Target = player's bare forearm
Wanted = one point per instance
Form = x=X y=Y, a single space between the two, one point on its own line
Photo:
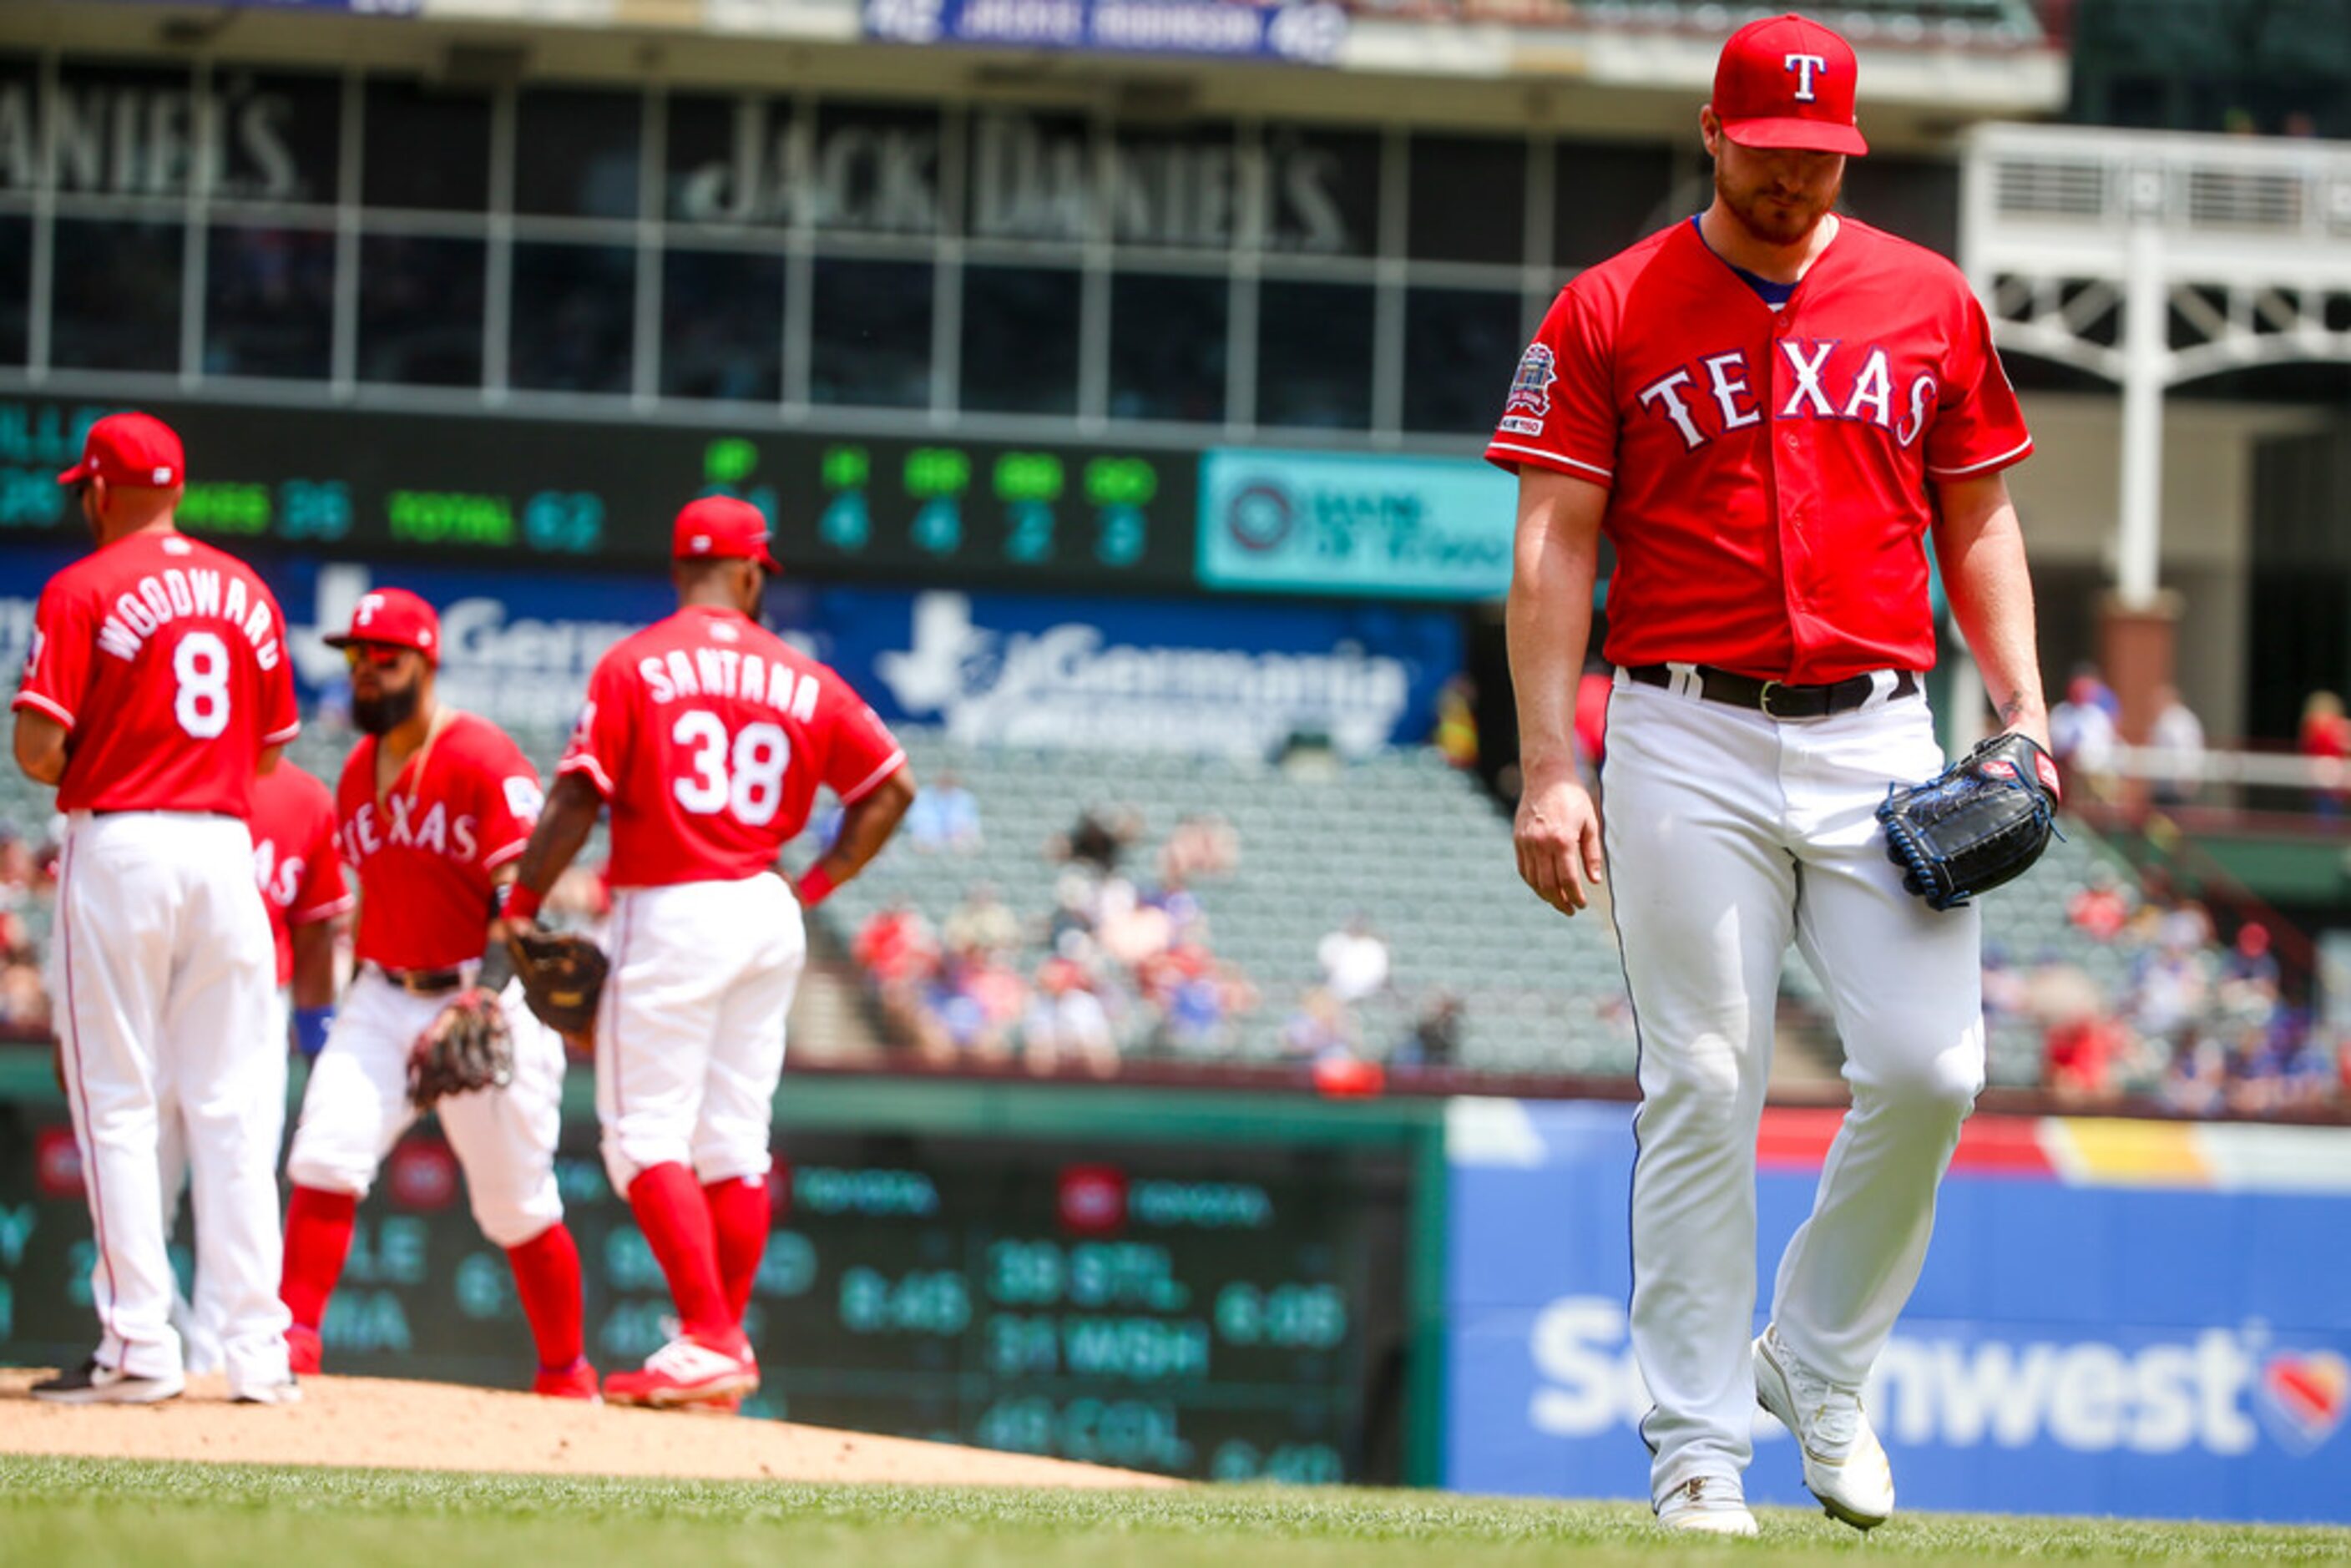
x=313 y=964
x=564 y=824
x=1555 y=559
x=40 y=747
x=867 y=826
x=1548 y=620
x=1981 y=547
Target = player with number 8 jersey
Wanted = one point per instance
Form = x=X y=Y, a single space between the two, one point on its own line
x=708 y=735
x=159 y=686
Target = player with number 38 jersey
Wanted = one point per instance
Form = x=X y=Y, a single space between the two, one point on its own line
x=708 y=736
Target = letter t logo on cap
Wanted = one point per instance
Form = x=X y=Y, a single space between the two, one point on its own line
x=1804 y=66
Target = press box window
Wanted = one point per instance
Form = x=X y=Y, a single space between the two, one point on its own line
x=269 y=302
x=1607 y=194
x=15 y=289
x=1167 y=347
x=421 y=310
x=115 y=295
x=1322 y=191
x=282 y=136
x=1314 y=355
x=869 y=341
x=1468 y=200
x=723 y=326
x=1456 y=342
x=1019 y=340
x=425 y=148
x=576 y=153
x=574 y=317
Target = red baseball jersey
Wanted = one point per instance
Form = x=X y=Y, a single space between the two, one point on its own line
x=165 y=660
x=460 y=807
x=1768 y=471
x=294 y=856
x=709 y=735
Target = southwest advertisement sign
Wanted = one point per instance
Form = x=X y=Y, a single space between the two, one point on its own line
x=1356 y=525
x=2117 y=1317
x=1303 y=34
x=1139 y=674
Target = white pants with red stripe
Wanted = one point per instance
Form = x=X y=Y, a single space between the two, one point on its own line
x=164 y=974
x=356 y=1106
x=1729 y=833
x=197 y=1315
x=690 y=1036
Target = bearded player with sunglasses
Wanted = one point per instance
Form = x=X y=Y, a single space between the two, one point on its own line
x=433 y=807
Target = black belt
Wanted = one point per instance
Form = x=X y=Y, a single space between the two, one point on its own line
x=1777 y=699
x=422 y=982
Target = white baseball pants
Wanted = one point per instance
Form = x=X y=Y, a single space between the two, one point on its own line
x=690 y=1036
x=166 y=973
x=356 y=1106
x=198 y=1315
x=1727 y=833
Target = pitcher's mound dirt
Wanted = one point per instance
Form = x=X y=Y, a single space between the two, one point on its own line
x=378 y=1423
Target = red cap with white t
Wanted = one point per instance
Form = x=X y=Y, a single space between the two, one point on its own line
x=135 y=450
x=1788 y=82
x=721 y=528
x=392 y=618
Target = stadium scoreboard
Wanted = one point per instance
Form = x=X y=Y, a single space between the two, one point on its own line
x=1213 y=1311
x=506 y=491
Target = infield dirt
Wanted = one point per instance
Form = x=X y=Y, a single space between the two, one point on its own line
x=377 y=1423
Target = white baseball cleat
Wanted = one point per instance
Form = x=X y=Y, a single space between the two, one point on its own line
x=1706 y=1505
x=284 y=1391
x=1844 y=1465
x=91 y=1384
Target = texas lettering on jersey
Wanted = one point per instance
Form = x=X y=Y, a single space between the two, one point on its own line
x=165 y=660
x=1769 y=473
x=709 y=736
x=461 y=807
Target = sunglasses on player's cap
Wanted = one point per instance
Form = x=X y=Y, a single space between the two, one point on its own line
x=1788 y=82
x=385 y=622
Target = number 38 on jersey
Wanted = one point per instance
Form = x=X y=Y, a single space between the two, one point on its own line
x=709 y=736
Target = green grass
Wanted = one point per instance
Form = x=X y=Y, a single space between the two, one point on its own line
x=78 y=1511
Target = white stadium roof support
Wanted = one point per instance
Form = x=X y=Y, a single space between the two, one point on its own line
x=2151 y=260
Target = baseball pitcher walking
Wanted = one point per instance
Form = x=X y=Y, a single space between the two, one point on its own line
x=1766 y=409
x=708 y=736
x=157 y=689
x=433 y=805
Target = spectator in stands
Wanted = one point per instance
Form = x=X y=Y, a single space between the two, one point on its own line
x=983 y=923
x=898 y=953
x=20 y=871
x=1202 y=844
x=944 y=818
x=2249 y=975
x=1435 y=1040
x=2102 y=906
x=2080 y=1056
x=970 y=1008
x=1455 y=736
x=1098 y=838
x=23 y=999
x=2196 y=1080
x=2179 y=734
x=1067 y=1022
x=1353 y=960
x=1321 y=1031
x=2326 y=739
x=1131 y=931
x=2173 y=983
x=2082 y=735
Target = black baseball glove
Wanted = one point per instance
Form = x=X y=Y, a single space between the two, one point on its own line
x=1979 y=822
x=562 y=978
x=467 y=1046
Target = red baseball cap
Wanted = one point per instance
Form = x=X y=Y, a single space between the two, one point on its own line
x=392 y=618
x=136 y=450
x=1787 y=82
x=720 y=528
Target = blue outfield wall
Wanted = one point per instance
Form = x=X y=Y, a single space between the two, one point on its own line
x=2115 y=1319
